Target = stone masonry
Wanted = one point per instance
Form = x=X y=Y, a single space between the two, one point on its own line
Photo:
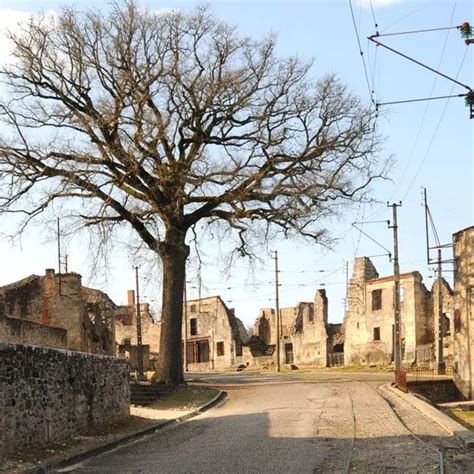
x=49 y=395
x=463 y=248
x=59 y=301
x=368 y=323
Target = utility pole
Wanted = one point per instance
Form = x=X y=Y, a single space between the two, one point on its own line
x=139 y=328
x=347 y=287
x=396 y=279
x=277 y=304
x=441 y=363
x=438 y=246
x=185 y=315
x=59 y=254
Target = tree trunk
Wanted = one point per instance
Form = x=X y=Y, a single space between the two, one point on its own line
x=173 y=252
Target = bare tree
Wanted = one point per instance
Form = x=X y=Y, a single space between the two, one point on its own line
x=163 y=121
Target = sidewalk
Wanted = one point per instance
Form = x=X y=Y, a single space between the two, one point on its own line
x=154 y=419
x=446 y=422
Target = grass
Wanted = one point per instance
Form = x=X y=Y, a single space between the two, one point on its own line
x=465 y=417
x=185 y=397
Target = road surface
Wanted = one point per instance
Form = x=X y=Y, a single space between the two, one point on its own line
x=303 y=423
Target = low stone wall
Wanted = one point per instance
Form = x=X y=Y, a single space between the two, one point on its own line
x=48 y=394
x=437 y=391
x=22 y=331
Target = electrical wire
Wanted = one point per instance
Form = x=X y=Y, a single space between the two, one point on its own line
x=435 y=132
x=423 y=119
x=362 y=54
x=398 y=33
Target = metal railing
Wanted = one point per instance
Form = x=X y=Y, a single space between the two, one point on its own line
x=336 y=359
x=419 y=374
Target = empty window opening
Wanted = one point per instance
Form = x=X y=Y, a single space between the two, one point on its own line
x=193 y=326
x=376 y=300
x=220 y=348
x=376 y=334
x=193 y=308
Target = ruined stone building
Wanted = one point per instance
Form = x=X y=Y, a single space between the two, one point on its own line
x=463 y=250
x=126 y=333
x=214 y=336
x=56 y=311
x=304 y=334
x=369 y=320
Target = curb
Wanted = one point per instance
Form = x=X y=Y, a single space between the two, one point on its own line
x=465 y=435
x=108 y=446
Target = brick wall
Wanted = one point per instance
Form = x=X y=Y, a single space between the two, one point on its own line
x=49 y=394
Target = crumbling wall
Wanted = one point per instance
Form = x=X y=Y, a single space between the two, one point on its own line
x=126 y=329
x=463 y=249
x=60 y=301
x=49 y=395
x=21 y=331
x=310 y=340
x=447 y=299
x=355 y=319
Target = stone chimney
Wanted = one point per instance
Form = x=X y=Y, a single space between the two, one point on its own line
x=131 y=297
x=50 y=272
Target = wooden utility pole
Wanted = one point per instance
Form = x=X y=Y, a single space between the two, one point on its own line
x=346 y=303
x=441 y=363
x=277 y=304
x=139 y=328
x=59 y=254
x=185 y=315
x=396 y=303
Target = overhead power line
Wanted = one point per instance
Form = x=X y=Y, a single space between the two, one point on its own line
x=371 y=92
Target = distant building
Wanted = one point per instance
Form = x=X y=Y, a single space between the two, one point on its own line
x=369 y=320
x=304 y=334
x=126 y=333
x=214 y=335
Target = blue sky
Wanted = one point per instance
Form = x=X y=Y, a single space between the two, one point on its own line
x=431 y=143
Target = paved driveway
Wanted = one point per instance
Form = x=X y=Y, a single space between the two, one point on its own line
x=317 y=422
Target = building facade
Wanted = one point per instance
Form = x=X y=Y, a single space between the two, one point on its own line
x=213 y=336
x=369 y=320
x=463 y=249
x=57 y=306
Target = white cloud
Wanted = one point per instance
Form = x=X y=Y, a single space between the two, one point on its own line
x=379 y=3
x=9 y=21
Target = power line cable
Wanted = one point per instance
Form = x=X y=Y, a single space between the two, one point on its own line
x=422 y=122
x=371 y=92
x=435 y=132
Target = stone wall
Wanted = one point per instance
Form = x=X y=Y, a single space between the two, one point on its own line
x=48 y=395
x=20 y=331
x=463 y=247
x=369 y=320
x=213 y=335
x=126 y=331
x=60 y=301
x=310 y=340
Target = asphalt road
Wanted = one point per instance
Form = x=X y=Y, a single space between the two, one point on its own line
x=315 y=423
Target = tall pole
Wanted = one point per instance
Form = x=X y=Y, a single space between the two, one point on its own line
x=441 y=363
x=396 y=279
x=277 y=304
x=347 y=287
x=139 y=328
x=59 y=254
x=185 y=315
